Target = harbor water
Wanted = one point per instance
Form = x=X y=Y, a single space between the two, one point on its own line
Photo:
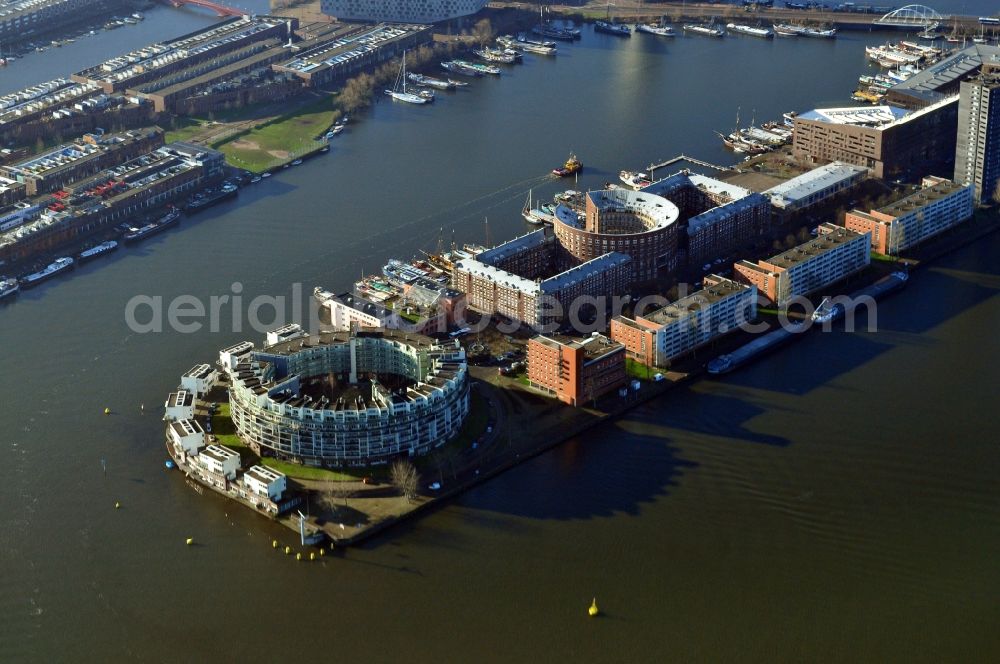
x=836 y=501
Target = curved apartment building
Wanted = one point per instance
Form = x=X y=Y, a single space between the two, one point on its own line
x=640 y=225
x=350 y=398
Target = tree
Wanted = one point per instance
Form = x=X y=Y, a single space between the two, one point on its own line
x=335 y=493
x=483 y=31
x=404 y=476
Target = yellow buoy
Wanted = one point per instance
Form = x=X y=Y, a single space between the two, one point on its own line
x=274 y=544
x=312 y=555
x=288 y=550
x=593 y=610
x=117 y=504
x=107 y=411
x=189 y=541
x=322 y=552
x=298 y=556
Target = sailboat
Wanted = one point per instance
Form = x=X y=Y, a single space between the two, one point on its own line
x=538 y=215
x=399 y=92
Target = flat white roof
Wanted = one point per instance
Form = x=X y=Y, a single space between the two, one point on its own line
x=719 y=187
x=815 y=180
x=855 y=115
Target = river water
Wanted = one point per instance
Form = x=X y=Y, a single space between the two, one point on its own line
x=837 y=501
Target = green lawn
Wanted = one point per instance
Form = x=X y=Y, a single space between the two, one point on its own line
x=882 y=257
x=636 y=369
x=184 y=129
x=311 y=473
x=277 y=141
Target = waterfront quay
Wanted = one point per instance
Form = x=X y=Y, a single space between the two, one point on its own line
x=778 y=12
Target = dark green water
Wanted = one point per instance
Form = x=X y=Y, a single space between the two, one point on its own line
x=837 y=502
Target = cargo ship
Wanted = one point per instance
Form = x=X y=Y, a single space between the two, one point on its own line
x=99 y=250
x=572 y=165
x=58 y=266
x=743 y=354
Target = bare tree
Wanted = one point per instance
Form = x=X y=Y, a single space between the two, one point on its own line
x=334 y=494
x=405 y=478
x=483 y=31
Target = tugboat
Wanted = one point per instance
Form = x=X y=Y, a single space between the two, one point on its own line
x=8 y=288
x=572 y=165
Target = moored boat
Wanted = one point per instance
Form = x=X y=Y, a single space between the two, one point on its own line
x=399 y=92
x=739 y=28
x=530 y=45
x=537 y=215
x=634 y=179
x=793 y=30
x=166 y=221
x=612 y=28
x=703 y=30
x=456 y=67
x=8 y=287
x=430 y=82
x=210 y=197
x=99 y=250
x=479 y=67
x=742 y=355
x=495 y=55
x=654 y=29
x=58 y=266
x=552 y=32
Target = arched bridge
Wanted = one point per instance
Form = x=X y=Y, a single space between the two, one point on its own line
x=911 y=16
x=218 y=8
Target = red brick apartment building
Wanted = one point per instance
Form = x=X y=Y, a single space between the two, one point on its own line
x=576 y=370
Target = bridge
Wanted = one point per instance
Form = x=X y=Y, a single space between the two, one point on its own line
x=911 y=16
x=218 y=8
